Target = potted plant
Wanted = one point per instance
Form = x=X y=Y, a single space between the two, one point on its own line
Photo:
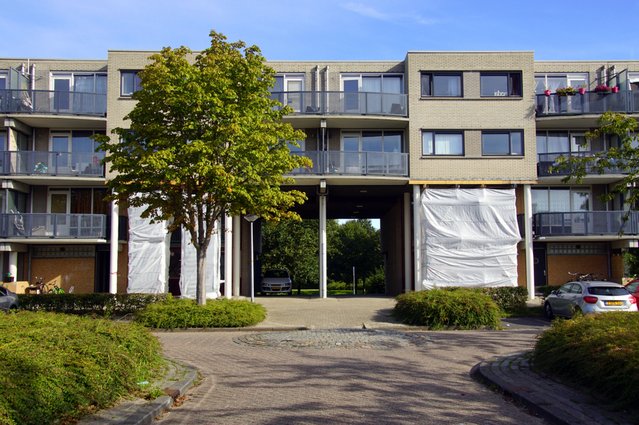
x=582 y=90
x=615 y=89
x=547 y=92
x=602 y=88
x=566 y=91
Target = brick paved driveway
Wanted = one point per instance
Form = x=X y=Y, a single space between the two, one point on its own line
x=410 y=383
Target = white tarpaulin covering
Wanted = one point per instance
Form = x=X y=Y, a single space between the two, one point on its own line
x=148 y=254
x=469 y=238
x=188 y=271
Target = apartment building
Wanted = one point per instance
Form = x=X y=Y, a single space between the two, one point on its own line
x=450 y=150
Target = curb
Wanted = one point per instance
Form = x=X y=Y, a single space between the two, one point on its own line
x=551 y=400
x=143 y=412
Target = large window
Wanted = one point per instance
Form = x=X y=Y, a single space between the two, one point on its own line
x=373 y=93
x=129 y=83
x=560 y=199
x=288 y=90
x=502 y=143
x=79 y=92
x=441 y=84
x=501 y=84
x=549 y=142
x=554 y=81
x=442 y=143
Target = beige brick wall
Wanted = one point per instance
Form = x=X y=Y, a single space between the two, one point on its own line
x=471 y=114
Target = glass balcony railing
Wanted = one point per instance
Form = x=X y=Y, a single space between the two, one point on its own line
x=53 y=226
x=588 y=103
x=42 y=163
x=587 y=223
x=344 y=103
x=52 y=102
x=355 y=163
x=546 y=161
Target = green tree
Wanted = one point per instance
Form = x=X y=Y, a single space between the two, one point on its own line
x=359 y=245
x=293 y=245
x=624 y=157
x=205 y=139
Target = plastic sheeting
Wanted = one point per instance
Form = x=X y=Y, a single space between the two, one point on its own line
x=188 y=271
x=148 y=254
x=469 y=238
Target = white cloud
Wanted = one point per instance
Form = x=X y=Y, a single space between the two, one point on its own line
x=371 y=12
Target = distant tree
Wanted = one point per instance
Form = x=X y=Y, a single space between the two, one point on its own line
x=359 y=245
x=205 y=139
x=624 y=157
x=293 y=245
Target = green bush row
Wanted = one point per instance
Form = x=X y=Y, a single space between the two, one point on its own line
x=99 y=304
x=56 y=367
x=184 y=313
x=509 y=299
x=459 y=308
x=599 y=353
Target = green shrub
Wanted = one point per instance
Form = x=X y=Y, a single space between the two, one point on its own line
x=184 y=313
x=509 y=299
x=337 y=285
x=599 y=353
x=55 y=367
x=99 y=304
x=376 y=282
x=459 y=308
x=545 y=290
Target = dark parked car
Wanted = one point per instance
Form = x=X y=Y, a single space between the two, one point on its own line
x=276 y=282
x=8 y=300
x=588 y=297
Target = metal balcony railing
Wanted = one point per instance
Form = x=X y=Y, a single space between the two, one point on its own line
x=546 y=161
x=52 y=102
x=344 y=103
x=42 y=163
x=53 y=226
x=588 y=103
x=587 y=223
x=355 y=163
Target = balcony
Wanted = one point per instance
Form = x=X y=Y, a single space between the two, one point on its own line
x=44 y=164
x=545 y=162
x=344 y=103
x=587 y=223
x=53 y=226
x=52 y=102
x=393 y=164
x=587 y=103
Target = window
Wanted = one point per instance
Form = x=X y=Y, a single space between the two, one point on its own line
x=373 y=94
x=502 y=143
x=3 y=80
x=560 y=199
x=442 y=143
x=554 y=81
x=500 y=84
x=289 y=90
x=441 y=84
x=129 y=83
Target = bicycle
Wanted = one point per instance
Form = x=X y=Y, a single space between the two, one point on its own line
x=39 y=287
x=580 y=277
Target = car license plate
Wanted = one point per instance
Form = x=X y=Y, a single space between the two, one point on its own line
x=276 y=288
x=613 y=303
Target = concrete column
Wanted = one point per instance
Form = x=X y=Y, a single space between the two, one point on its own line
x=322 y=246
x=417 y=236
x=236 y=255
x=13 y=264
x=113 y=253
x=228 y=255
x=407 y=242
x=528 y=242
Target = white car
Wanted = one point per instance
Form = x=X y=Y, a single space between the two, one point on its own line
x=276 y=282
x=588 y=297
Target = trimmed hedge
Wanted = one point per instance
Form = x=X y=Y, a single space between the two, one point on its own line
x=597 y=353
x=184 y=313
x=55 y=367
x=99 y=304
x=458 y=308
x=509 y=299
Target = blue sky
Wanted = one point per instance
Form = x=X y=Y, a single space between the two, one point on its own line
x=323 y=29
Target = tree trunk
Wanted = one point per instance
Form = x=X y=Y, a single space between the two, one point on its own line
x=201 y=275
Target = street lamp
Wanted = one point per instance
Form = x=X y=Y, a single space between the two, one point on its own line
x=251 y=218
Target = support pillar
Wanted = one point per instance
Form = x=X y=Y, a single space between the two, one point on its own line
x=528 y=242
x=228 y=255
x=407 y=242
x=113 y=249
x=13 y=264
x=322 y=246
x=417 y=236
x=236 y=255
